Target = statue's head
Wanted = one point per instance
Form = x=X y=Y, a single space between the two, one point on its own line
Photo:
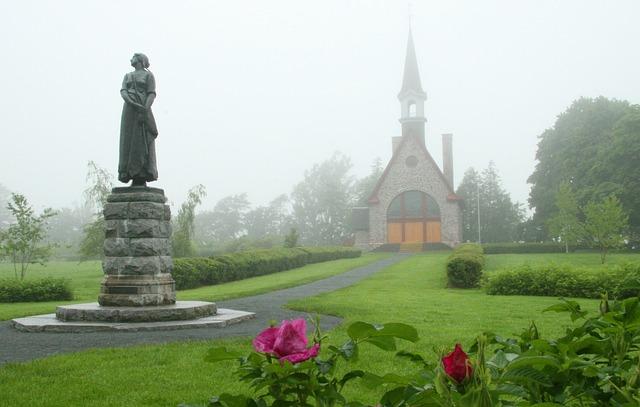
x=141 y=58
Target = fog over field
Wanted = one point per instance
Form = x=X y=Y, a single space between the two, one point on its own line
x=250 y=94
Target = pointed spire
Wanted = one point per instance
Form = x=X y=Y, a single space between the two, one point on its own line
x=411 y=78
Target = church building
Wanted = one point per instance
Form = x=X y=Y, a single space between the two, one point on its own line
x=414 y=201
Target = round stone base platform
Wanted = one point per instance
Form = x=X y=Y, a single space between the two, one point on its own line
x=180 y=311
x=49 y=323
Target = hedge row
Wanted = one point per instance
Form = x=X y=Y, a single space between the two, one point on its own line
x=622 y=281
x=43 y=289
x=464 y=266
x=199 y=271
x=505 y=248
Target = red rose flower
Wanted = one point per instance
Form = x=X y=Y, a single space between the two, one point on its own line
x=287 y=342
x=457 y=365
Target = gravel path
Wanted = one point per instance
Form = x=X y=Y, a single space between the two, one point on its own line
x=18 y=346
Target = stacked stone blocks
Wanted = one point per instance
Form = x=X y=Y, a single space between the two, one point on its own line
x=137 y=248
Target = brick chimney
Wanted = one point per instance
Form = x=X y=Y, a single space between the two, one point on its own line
x=447 y=158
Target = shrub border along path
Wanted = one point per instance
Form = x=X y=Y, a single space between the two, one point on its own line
x=22 y=346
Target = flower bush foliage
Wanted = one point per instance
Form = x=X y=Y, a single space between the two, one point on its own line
x=596 y=363
x=284 y=371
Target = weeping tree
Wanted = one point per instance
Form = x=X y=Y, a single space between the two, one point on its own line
x=184 y=225
x=100 y=183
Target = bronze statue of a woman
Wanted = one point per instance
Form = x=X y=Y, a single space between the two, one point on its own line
x=138 y=129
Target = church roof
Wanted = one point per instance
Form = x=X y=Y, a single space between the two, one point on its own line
x=411 y=78
x=373 y=198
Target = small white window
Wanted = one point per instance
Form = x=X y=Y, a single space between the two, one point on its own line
x=412 y=109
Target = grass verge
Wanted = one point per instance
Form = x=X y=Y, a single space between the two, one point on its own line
x=584 y=260
x=278 y=281
x=85 y=282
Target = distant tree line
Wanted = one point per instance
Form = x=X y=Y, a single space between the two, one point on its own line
x=585 y=189
x=587 y=174
x=315 y=212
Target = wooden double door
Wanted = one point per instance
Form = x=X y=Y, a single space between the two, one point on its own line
x=412 y=232
x=413 y=216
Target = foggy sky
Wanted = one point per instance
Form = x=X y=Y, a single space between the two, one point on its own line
x=252 y=93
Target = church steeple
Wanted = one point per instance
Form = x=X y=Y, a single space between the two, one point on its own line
x=411 y=79
x=411 y=95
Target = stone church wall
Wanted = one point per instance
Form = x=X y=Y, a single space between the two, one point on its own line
x=425 y=177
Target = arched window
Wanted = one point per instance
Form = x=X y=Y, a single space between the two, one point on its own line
x=413 y=205
x=413 y=216
x=412 y=109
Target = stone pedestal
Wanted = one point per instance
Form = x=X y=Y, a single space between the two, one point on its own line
x=137 y=248
x=137 y=293
x=181 y=311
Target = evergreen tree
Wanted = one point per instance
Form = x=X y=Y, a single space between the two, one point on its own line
x=468 y=190
x=499 y=216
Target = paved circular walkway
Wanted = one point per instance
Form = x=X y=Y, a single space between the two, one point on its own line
x=21 y=346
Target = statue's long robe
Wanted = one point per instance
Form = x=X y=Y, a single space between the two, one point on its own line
x=138 y=130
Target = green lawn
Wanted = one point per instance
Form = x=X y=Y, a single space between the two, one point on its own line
x=164 y=375
x=85 y=280
x=84 y=276
x=277 y=281
x=588 y=260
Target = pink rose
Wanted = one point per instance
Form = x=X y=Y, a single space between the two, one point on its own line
x=287 y=342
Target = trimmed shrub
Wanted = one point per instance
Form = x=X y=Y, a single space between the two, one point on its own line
x=199 y=271
x=621 y=281
x=464 y=266
x=30 y=290
x=627 y=280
